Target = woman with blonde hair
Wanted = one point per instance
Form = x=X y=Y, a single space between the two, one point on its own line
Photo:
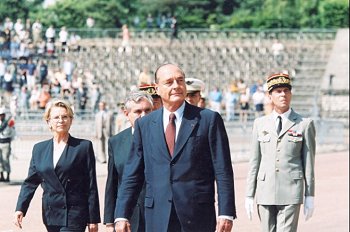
x=65 y=168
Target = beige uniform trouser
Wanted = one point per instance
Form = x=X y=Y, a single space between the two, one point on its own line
x=279 y=218
x=5 y=152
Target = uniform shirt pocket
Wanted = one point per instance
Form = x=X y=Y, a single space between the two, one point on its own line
x=261 y=176
x=297 y=175
x=264 y=138
x=295 y=139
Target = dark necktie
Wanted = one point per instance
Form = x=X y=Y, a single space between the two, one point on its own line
x=170 y=133
x=279 y=127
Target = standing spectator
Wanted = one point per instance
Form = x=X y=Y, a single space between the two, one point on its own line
x=31 y=74
x=44 y=97
x=8 y=24
x=231 y=99
x=82 y=96
x=7 y=133
x=36 y=32
x=34 y=98
x=244 y=99
x=137 y=104
x=136 y=21
x=125 y=39
x=90 y=22
x=282 y=162
x=68 y=68
x=182 y=154
x=18 y=27
x=50 y=34
x=241 y=85
x=43 y=71
x=7 y=43
x=63 y=38
x=23 y=71
x=103 y=130
x=215 y=98
x=3 y=66
x=149 y=21
x=65 y=168
x=74 y=42
x=174 y=29
x=13 y=104
x=23 y=102
x=258 y=101
x=8 y=82
x=95 y=97
x=277 y=51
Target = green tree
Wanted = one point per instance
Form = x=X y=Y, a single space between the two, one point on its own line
x=335 y=13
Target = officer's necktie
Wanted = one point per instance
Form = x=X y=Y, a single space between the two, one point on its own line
x=279 y=127
x=170 y=133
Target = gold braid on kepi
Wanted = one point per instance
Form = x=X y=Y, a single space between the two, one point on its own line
x=278 y=80
x=150 y=89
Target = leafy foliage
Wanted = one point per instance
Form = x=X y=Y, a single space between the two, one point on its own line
x=190 y=13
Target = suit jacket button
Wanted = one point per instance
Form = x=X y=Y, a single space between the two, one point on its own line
x=277 y=170
x=63 y=207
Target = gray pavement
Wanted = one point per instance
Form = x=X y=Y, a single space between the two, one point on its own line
x=331 y=201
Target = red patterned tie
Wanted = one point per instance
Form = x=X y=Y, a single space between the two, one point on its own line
x=170 y=133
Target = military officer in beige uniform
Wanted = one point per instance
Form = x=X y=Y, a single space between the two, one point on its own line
x=281 y=175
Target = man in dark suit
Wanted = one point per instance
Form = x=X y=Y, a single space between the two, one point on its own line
x=137 y=104
x=180 y=178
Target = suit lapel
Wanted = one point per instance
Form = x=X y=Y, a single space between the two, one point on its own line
x=290 y=122
x=159 y=130
x=271 y=125
x=189 y=121
x=52 y=176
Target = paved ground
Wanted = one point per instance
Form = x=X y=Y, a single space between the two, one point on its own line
x=331 y=212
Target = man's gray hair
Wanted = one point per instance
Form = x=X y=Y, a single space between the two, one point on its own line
x=137 y=96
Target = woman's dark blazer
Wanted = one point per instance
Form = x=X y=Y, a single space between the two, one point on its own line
x=70 y=195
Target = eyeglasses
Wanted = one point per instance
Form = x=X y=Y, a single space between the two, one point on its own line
x=64 y=118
